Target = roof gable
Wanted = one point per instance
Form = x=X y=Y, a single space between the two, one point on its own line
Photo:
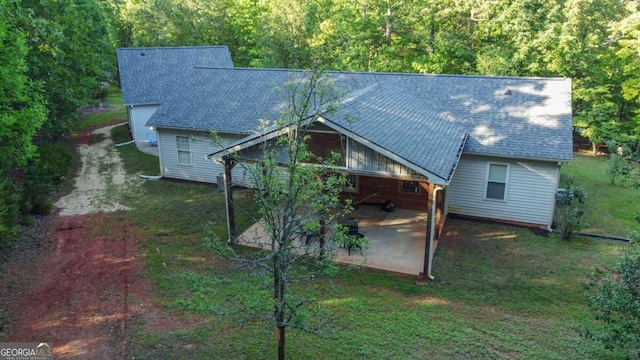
x=149 y=74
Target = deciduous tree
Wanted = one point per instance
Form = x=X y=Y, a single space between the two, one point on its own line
x=70 y=55
x=613 y=296
x=22 y=113
x=297 y=194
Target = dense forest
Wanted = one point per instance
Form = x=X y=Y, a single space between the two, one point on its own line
x=58 y=55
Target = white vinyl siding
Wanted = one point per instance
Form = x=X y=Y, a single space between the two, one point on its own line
x=138 y=116
x=497 y=176
x=202 y=169
x=529 y=191
x=183 y=145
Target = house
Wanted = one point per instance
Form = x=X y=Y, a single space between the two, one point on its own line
x=495 y=143
x=149 y=74
x=481 y=146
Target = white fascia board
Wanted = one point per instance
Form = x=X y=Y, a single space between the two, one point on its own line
x=246 y=142
x=143 y=104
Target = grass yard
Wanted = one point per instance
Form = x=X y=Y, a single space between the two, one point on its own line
x=611 y=209
x=103 y=118
x=501 y=291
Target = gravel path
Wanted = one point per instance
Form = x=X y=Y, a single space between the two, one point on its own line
x=74 y=280
x=99 y=180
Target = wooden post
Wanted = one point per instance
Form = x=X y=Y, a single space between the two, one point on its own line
x=428 y=188
x=439 y=211
x=228 y=191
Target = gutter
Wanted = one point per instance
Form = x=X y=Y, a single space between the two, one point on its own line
x=563 y=161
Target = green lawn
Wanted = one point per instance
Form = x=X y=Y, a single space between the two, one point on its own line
x=501 y=291
x=611 y=209
x=117 y=115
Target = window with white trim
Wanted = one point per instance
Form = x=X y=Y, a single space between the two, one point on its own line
x=184 y=150
x=497 y=181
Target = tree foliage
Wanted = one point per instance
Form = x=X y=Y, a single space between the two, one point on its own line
x=55 y=57
x=595 y=42
x=613 y=295
x=22 y=109
x=298 y=197
x=623 y=166
x=22 y=113
x=70 y=55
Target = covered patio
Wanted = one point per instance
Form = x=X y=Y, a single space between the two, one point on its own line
x=397 y=240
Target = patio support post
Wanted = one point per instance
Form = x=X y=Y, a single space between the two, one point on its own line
x=228 y=191
x=432 y=232
x=428 y=188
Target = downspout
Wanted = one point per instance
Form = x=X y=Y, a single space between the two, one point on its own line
x=226 y=193
x=131 y=122
x=432 y=233
x=227 y=204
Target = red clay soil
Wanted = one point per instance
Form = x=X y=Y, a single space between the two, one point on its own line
x=87 y=289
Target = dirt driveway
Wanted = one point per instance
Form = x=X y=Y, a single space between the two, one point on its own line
x=83 y=292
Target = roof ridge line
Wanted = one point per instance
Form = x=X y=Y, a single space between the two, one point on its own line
x=389 y=73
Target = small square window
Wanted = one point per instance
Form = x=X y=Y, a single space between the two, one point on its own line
x=497 y=181
x=410 y=186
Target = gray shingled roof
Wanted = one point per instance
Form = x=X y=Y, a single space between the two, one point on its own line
x=148 y=75
x=224 y=101
x=422 y=118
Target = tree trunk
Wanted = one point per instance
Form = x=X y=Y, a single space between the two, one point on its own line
x=387 y=33
x=322 y=230
x=231 y=218
x=594 y=147
x=278 y=294
x=281 y=337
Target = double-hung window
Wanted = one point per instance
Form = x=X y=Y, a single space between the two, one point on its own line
x=497 y=175
x=184 y=150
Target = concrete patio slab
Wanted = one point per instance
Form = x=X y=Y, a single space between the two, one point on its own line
x=397 y=240
x=146 y=147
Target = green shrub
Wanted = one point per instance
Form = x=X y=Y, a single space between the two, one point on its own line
x=54 y=161
x=569 y=215
x=630 y=177
x=9 y=207
x=42 y=175
x=623 y=166
x=613 y=296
